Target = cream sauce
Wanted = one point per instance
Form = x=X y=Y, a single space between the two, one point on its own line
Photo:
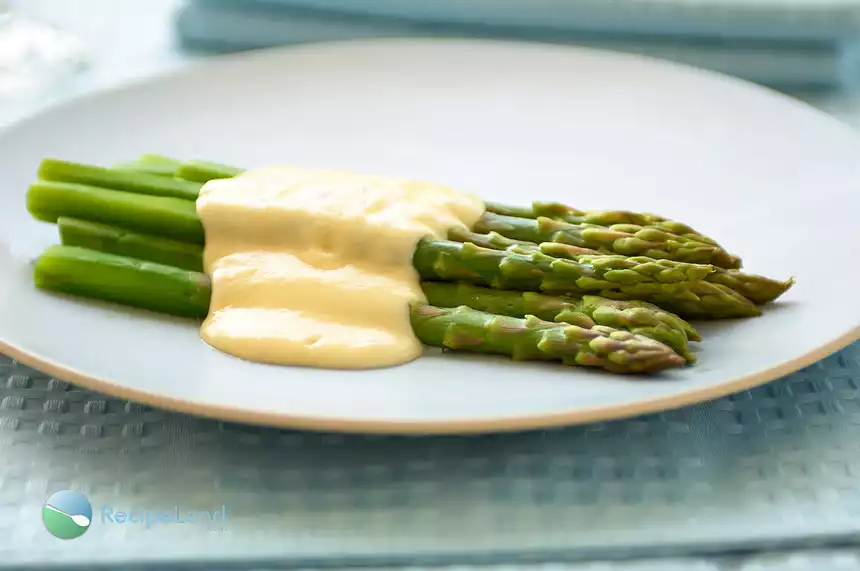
x=314 y=267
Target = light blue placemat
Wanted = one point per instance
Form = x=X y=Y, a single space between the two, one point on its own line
x=776 y=466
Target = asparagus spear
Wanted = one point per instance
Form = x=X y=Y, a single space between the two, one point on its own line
x=196 y=171
x=122 y=242
x=637 y=317
x=465 y=329
x=165 y=289
x=146 y=285
x=679 y=288
x=146 y=176
x=624 y=239
x=496 y=241
x=756 y=288
x=204 y=171
x=572 y=215
x=174 y=218
x=115 y=240
x=119 y=179
x=153 y=164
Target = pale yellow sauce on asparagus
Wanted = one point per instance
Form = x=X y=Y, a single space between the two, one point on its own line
x=314 y=267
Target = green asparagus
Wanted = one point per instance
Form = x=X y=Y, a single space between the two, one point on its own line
x=169 y=217
x=619 y=232
x=572 y=215
x=119 y=279
x=679 y=289
x=756 y=288
x=193 y=171
x=118 y=179
x=587 y=311
x=203 y=171
x=153 y=164
x=165 y=289
x=496 y=241
x=115 y=240
x=122 y=242
x=599 y=217
x=196 y=171
x=624 y=239
x=630 y=236
x=466 y=329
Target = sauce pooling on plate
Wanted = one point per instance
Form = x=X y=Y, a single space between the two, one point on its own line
x=314 y=267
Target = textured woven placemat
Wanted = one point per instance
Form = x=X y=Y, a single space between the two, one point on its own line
x=778 y=465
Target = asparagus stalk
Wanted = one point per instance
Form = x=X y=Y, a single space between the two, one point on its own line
x=204 y=171
x=624 y=239
x=119 y=279
x=153 y=164
x=756 y=288
x=466 y=329
x=169 y=217
x=572 y=215
x=161 y=288
x=140 y=182
x=196 y=171
x=122 y=242
x=193 y=171
x=496 y=241
x=616 y=232
x=678 y=288
x=587 y=311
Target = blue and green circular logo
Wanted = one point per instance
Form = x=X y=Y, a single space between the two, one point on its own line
x=67 y=514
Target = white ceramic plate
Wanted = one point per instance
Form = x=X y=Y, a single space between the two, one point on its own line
x=772 y=179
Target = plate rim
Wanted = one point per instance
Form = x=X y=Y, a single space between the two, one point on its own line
x=579 y=416
x=197 y=62
x=445 y=427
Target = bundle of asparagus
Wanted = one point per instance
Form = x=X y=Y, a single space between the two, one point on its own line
x=598 y=289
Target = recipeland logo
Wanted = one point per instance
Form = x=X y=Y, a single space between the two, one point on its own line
x=69 y=514
x=212 y=520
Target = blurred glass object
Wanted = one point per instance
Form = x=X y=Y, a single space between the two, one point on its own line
x=34 y=55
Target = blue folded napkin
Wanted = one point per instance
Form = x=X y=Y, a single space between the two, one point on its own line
x=785 y=44
x=751 y=19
